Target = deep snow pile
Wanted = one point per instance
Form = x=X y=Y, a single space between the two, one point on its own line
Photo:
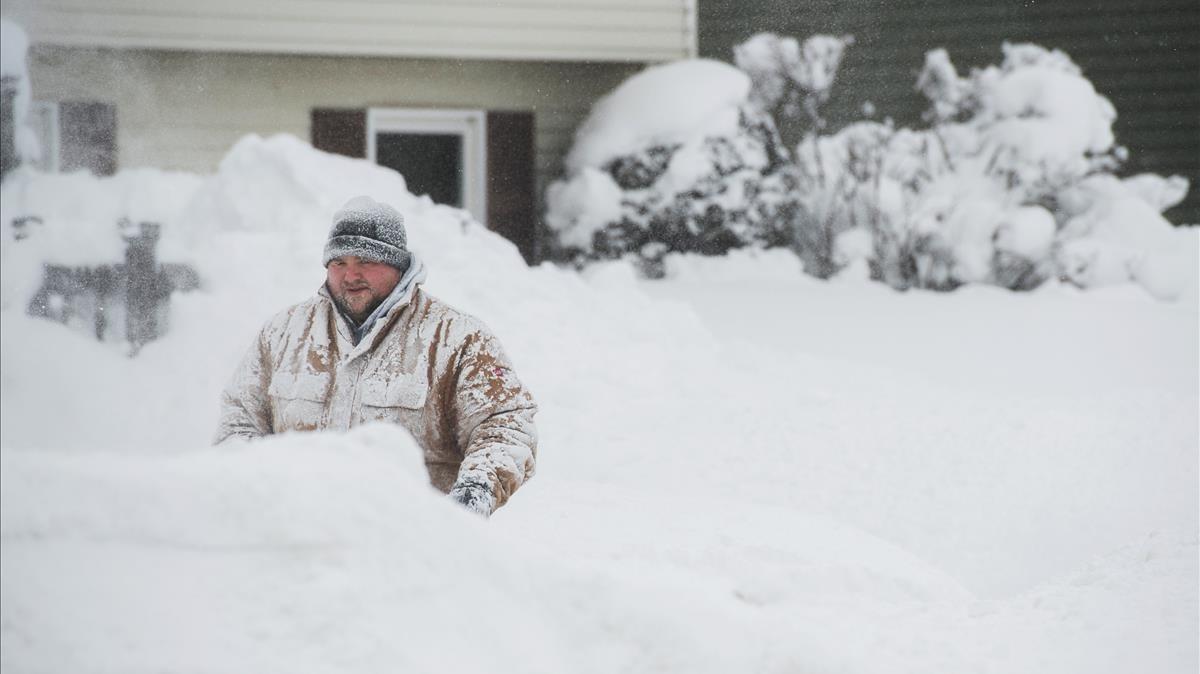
x=332 y=553
x=255 y=232
x=742 y=469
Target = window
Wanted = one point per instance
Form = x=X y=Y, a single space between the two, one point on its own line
x=75 y=135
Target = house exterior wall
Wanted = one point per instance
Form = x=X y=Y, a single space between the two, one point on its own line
x=1144 y=56
x=184 y=110
x=551 y=30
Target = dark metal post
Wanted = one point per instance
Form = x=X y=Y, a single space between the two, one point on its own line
x=142 y=281
x=8 y=125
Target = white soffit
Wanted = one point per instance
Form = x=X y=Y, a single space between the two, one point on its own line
x=542 y=30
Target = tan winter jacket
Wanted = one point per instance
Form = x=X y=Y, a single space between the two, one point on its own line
x=435 y=371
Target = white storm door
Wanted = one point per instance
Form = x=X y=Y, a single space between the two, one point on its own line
x=441 y=153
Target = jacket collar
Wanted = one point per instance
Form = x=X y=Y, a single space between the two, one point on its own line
x=362 y=336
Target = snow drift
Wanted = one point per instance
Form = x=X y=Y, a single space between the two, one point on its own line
x=751 y=471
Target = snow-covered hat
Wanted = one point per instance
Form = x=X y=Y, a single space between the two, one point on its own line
x=371 y=230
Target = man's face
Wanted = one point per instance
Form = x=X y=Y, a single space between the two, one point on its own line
x=359 y=285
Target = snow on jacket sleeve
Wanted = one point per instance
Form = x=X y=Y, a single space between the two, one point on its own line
x=494 y=419
x=245 y=406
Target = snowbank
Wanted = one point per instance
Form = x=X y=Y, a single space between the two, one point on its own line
x=255 y=231
x=300 y=554
x=315 y=553
x=327 y=553
x=760 y=472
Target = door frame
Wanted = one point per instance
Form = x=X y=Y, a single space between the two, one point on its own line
x=44 y=118
x=471 y=125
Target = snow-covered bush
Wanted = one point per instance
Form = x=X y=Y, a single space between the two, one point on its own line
x=992 y=192
x=790 y=78
x=675 y=159
x=688 y=156
x=1113 y=232
x=933 y=218
x=1010 y=182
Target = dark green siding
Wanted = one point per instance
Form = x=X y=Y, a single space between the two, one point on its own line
x=1144 y=55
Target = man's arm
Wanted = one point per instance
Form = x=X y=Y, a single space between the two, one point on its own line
x=495 y=426
x=245 y=406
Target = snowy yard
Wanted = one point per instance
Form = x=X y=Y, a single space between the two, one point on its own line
x=742 y=469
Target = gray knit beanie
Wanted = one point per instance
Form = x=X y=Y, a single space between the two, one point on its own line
x=371 y=230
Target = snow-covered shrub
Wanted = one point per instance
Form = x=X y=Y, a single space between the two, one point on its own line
x=1010 y=182
x=790 y=78
x=1113 y=232
x=991 y=192
x=675 y=159
x=930 y=223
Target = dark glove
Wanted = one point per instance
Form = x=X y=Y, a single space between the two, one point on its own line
x=474 y=496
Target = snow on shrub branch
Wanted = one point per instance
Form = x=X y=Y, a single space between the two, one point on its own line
x=696 y=170
x=1009 y=183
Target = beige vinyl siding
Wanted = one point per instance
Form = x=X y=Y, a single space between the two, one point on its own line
x=180 y=110
x=556 y=30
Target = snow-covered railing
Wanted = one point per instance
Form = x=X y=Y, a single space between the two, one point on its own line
x=114 y=302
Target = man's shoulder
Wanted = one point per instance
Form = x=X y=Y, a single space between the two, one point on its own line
x=458 y=324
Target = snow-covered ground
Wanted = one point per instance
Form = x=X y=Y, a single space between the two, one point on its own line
x=742 y=469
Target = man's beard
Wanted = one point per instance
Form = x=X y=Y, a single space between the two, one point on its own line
x=345 y=304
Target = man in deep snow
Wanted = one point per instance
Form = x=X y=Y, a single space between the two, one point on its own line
x=373 y=346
